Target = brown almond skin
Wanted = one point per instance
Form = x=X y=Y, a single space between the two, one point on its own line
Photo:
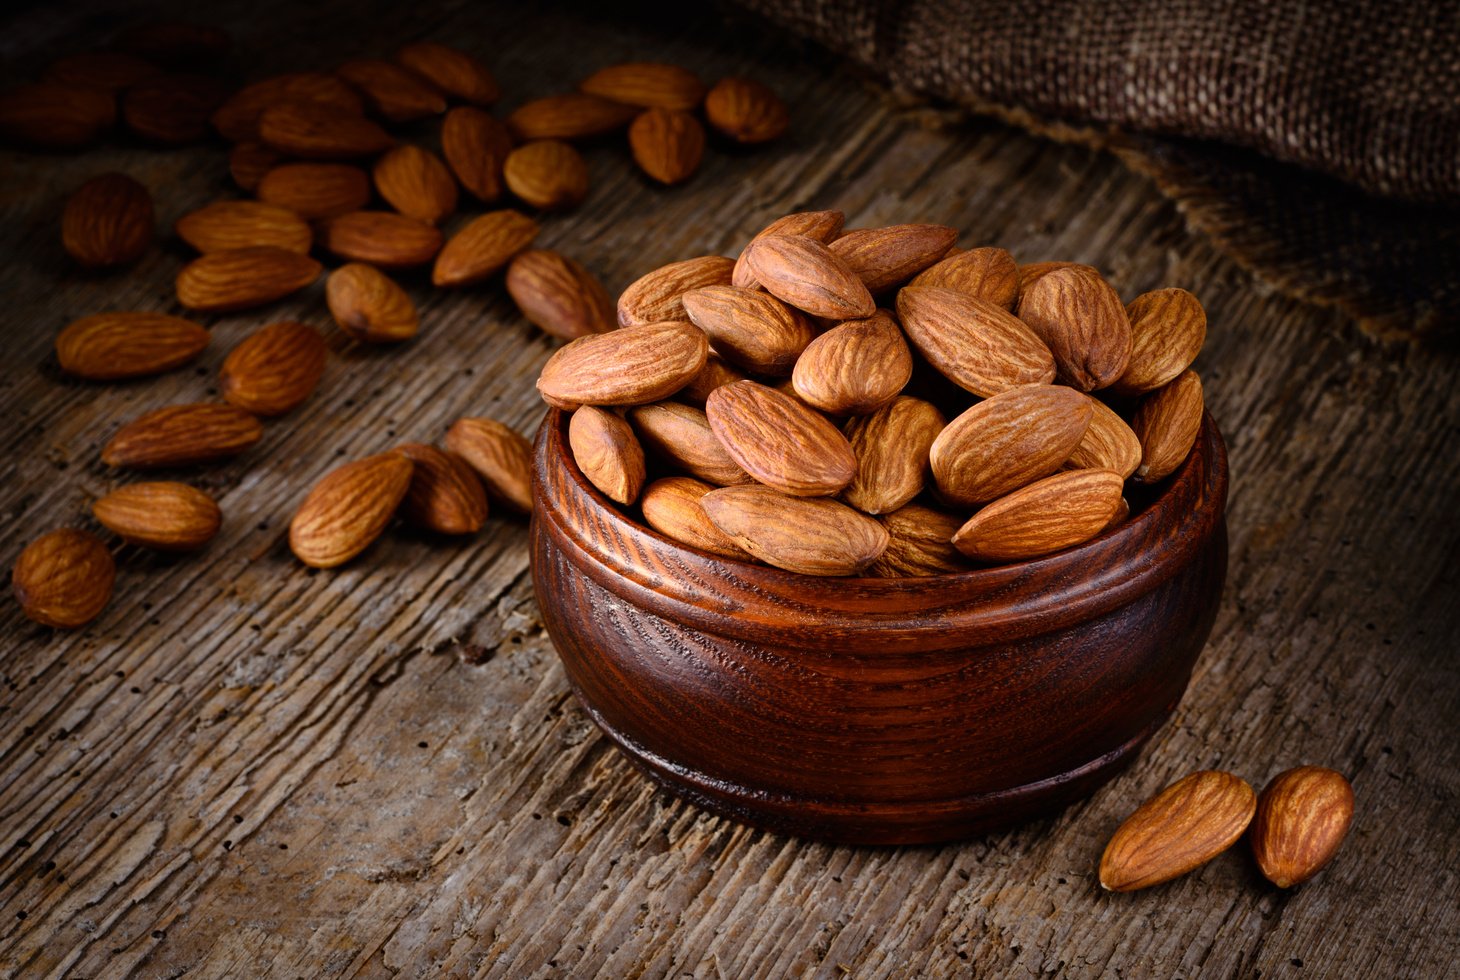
x=812 y=536
x=1168 y=328
x=715 y=373
x=891 y=446
x=239 y=279
x=1177 y=830
x=1108 y=444
x=1008 y=441
x=559 y=295
x=1046 y=516
x=249 y=163
x=746 y=111
x=855 y=367
x=416 y=183
x=672 y=507
x=275 y=369
x=475 y=145
x=648 y=84
x=348 y=509
x=369 y=306
x=382 y=238
x=173 y=109
x=396 y=93
x=547 y=174
x=659 y=295
x=52 y=116
x=225 y=225
x=1303 y=816
x=807 y=275
x=451 y=70
x=444 y=495
x=483 y=247
x=316 y=190
x=981 y=347
x=667 y=144
x=886 y=257
x=1167 y=422
x=164 y=515
x=1034 y=271
x=919 y=543
x=607 y=451
x=629 y=366
x=780 y=441
x=1082 y=321
x=313 y=131
x=64 y=578
x=681 y=435
x=114 y=346
x=110 y=71
x=107 y=222
x=569 y=116
x=501 y=457
x=989 y=274
x=181 y=435
x=237 y=119
x=749 y=328
x=821 y=226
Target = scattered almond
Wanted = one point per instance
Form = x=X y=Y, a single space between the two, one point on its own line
x=113 y=346
x=548 y=174
x=746 y=111
x=238 y=118
x=238 y=279
x=450 y=70
x=569 y=116
x=274 y=370
x=483 y=247
x=173 y=109
x=225 y=225
x=181 y=435
x=475 y=145
x=416 y=183
x=316 y=190
x=1302 y=818
x=64 y=578
x=52 y=116
x=667 y=144
x=318 y=132
x=444 y=494
x=559 y=295
x=164 y=515
x=249 y=163
x=1179 y=829
x=647 y=84
x=500 y=456
x=396 y=93
x=348 y=509
x=369 y=306
x=111 y=71
x=382 y=238
x=107 y=222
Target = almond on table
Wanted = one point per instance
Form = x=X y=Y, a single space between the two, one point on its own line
x=107 y=222
x=114 y=346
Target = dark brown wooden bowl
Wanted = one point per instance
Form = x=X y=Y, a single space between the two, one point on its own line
x=879 y=710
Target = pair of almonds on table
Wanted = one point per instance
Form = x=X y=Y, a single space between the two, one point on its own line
x=1295 y=827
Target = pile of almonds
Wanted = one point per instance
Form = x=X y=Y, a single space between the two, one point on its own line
x=769 y=392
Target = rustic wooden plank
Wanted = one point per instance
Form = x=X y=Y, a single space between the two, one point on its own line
x=247 y=768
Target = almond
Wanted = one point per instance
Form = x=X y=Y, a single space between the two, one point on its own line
x=369 y=306
x=977 y=345
x=64 y=578
x=225 y=225
x=1034 y=271
x=274 y=369
x=416 y=183
x=181 y=435
x=806 y=274
x=886 y=257
x=854 y=368
x=988 y=274
x=1008 y=441
x=780 y=441
x=658 y=295
x=1302 y=818
x=112 y=346
x=396 y=93
x=667 y=144
x=475 y=145
x=1083 y=322
x=630 y=366
x=821 y=226
x=52 y=116
x=608 y=453
x=450 y=70
x=749 y=328
x=1166 y=423
x=806 y=535
x=681 y=435
x=647 y=84
x=107 y=222
x=319 y=132
x=500 y=456
x=569 y=116
x=559 y=294
x=250 y=163
x=1179 y=829
x=173 y=109
x=483 y=247
x=714 y=374
x=316 y=190
x=1168 y=328
x=347 y=510
x=110 y=71
x=1056 y=512
x=1108 y=444
x=238 y=118
x=891 y=446
x=382 y=238
x=919 y=543
x=444 y=494
x=548 y=174
x=746 y=111
x=672 y=507
x=175 y=42
x=166 y=516
x=221 y=282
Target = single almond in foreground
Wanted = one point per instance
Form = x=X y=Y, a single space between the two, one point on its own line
x=165 y=515
x=1179 y=829
x=64 y=578
x=348 y=509
x=1303 y=816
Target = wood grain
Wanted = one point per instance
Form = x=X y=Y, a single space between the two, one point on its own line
x=402 y=727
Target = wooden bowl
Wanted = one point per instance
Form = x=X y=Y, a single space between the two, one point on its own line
x=879 y=710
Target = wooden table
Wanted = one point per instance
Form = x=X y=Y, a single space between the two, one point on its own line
x=245 y=768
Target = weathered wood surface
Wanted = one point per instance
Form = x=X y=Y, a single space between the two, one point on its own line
x=248 y=769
